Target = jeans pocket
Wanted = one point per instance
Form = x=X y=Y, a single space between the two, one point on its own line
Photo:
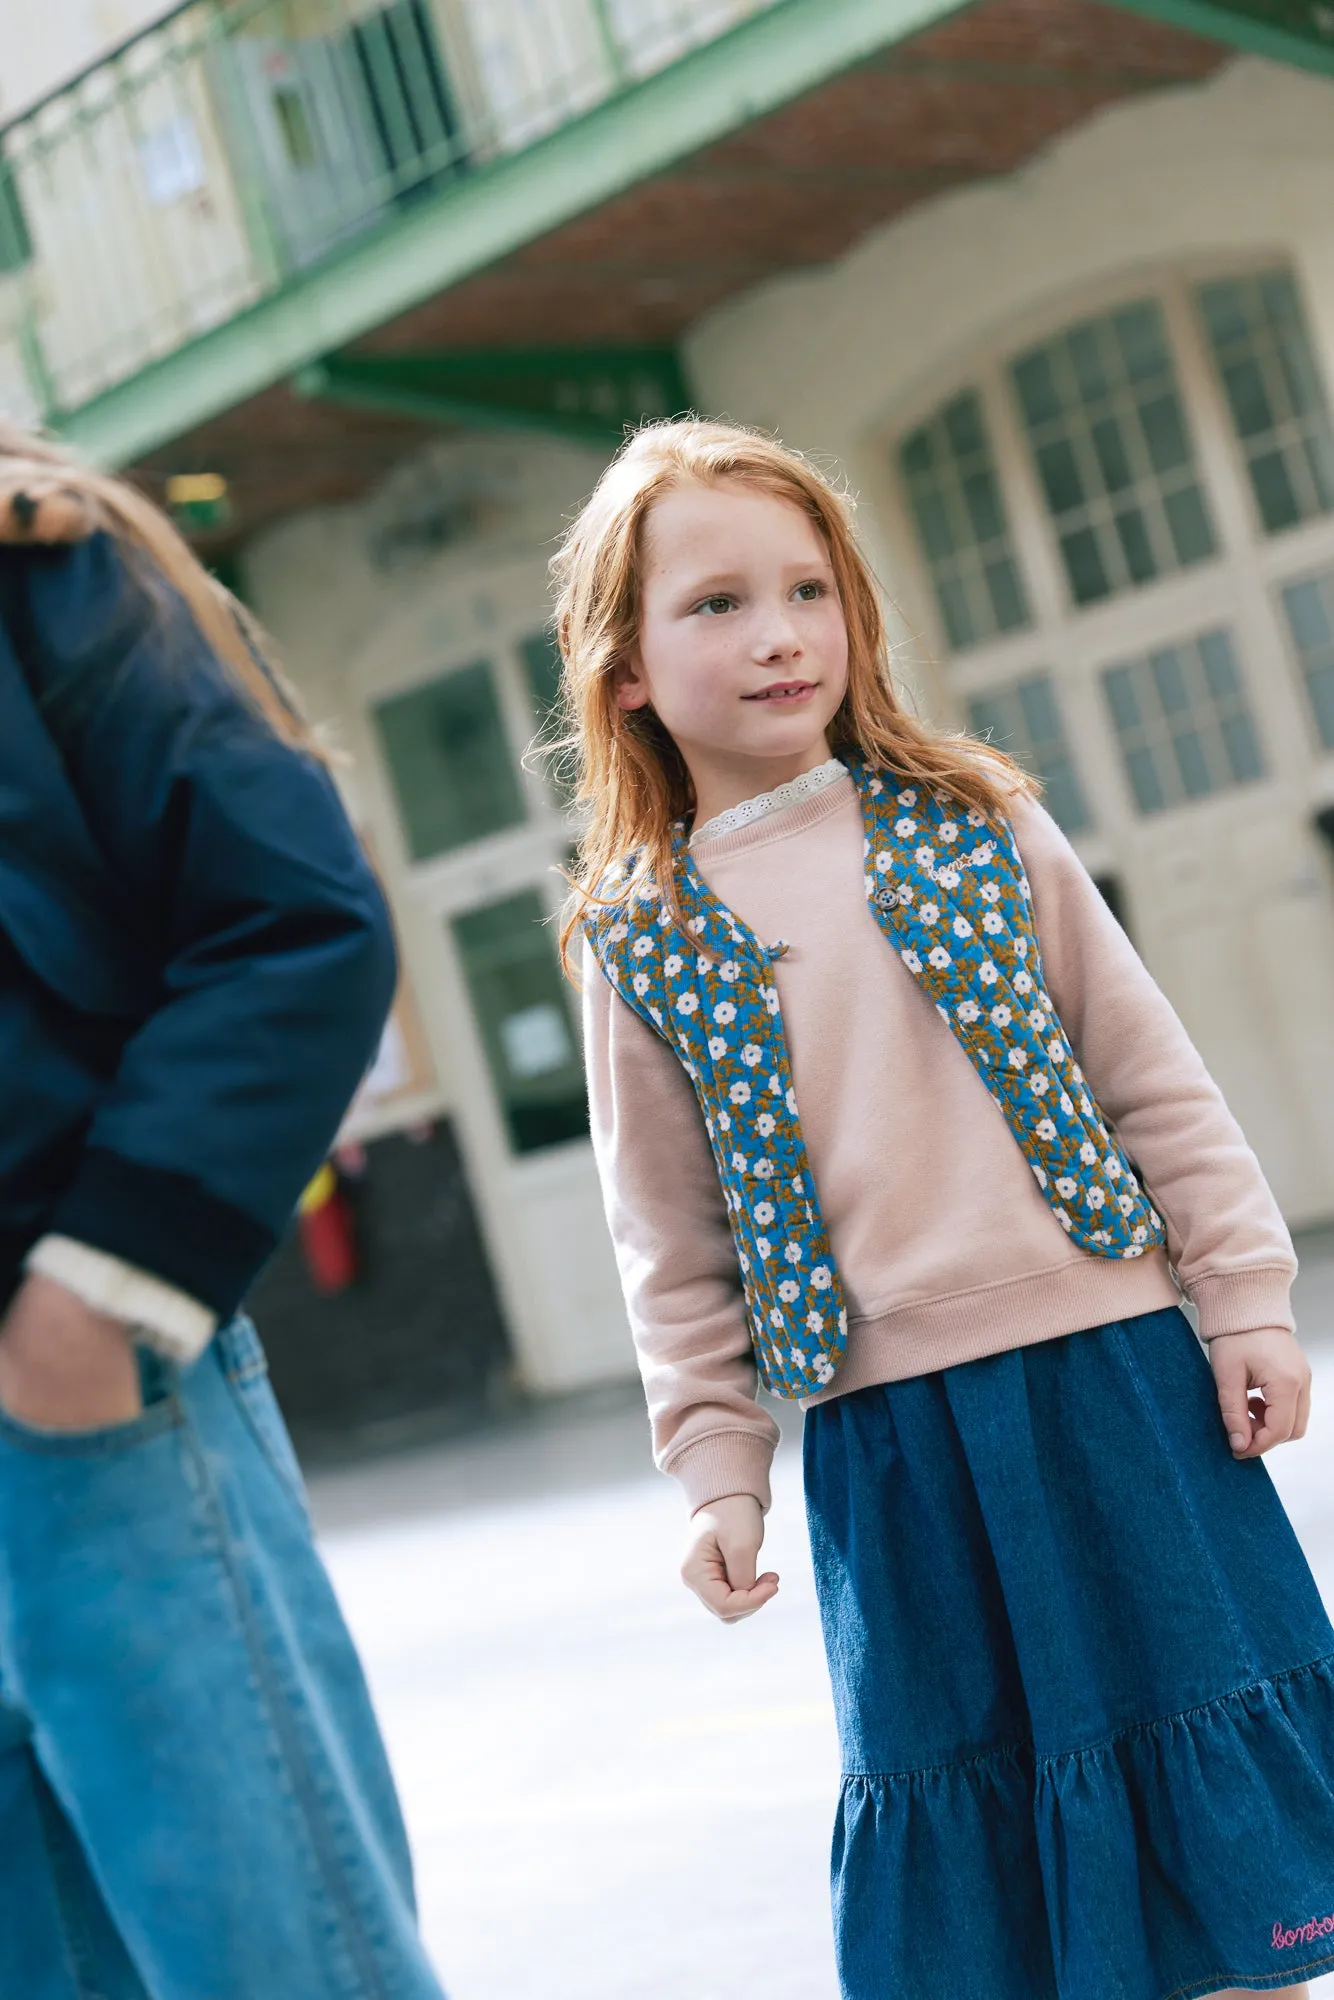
x=246 y=1373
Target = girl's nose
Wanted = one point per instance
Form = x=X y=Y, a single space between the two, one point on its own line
x=777 y=637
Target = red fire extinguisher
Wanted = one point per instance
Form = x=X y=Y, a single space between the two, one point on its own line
x=328 y=1240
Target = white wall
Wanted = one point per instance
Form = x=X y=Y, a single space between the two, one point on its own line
x=1231 y=896
x=43 y=44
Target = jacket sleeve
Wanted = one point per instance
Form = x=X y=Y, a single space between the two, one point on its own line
x=677 y=1260
x=246 y=890
x=1225 y=1236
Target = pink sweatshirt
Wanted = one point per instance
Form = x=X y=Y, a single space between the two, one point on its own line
x=946 y=1246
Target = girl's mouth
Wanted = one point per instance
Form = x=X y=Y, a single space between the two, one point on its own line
x=782 y=691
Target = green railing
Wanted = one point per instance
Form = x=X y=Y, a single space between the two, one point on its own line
x=236 y=145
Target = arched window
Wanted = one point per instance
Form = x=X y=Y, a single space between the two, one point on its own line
x=1127 y=530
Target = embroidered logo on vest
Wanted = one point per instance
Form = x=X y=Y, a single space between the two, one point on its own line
x=949 y=891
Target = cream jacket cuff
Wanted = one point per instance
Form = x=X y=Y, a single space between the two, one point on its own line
x=159 y=1316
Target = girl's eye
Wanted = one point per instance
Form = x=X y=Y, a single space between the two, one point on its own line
x=809 y=592
x=714 y=605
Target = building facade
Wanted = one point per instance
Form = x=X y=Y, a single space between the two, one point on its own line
x=1052 y=286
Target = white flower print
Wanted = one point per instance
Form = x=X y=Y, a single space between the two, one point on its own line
x=929 y=913
x=1088 y=1153
x=1023 y=982
x=1040 y=1083
x=642 y=947
x=792 y=1252
x=1045 y=1129
x=764 y=1213
x=905 y=827
x=697 y=926
x=790 y=1099
x=664 y=916
x=766 y=1124
x=1066 y=1106
x=939 y=957
x=1040 y=1176
x=1066 y=1187
x=877 y=787
x=993 y=924
x=1095 y=1197
x=924 y=857
x=907 y=798
x=815 y=1322
x=729 y=970
x=764 y=1170
x=987 y=973
x=641 y=983
x=948 y=878
x=1038 y=1021
x=968 y=1011
x=1139 y=1235
x=949 y=832
x=911 y=960
x=740 y=1093
x=1021 y=947
x=724 y=1121
x=974 y=817
x=724 y=1013
x=671 y=965
x=789 y=1292
x=771 y=999
x=704 y=966
x=688 y=1003
x=739 y=1163
x=744 y=1263
x=1086 y=1106
x=1055 y=1051
x=990 y=891
x=656 y=1013
x=717 y=1047
x=822 y=1277
x=775 y=1317
x=824 y=1370
x=764 y=1249
x=1112 y=1167
x=1065 y=1221
x=619 y=933
x=752 y=1054
x=1126 y=1204
x=1000 y=1016
x=1018 y=1058
x=962 y=928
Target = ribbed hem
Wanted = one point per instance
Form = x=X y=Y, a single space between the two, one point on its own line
x=167 y=1225
x=1244 y=1301
x=721 y=1464
x=993 y=1319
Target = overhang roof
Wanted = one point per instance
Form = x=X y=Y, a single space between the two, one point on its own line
x=974 y=96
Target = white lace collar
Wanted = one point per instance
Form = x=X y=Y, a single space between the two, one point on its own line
x=760 y=807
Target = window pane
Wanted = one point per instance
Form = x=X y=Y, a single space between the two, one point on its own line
x=1310 y=610
x=959 y=509
x=1111 y=449
x=1024 y=719
x=1182 y=722
x=1265 y=362
x=509 y=964
x=449 y=761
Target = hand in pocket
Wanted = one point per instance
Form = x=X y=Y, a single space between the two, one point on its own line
x=64 y=1367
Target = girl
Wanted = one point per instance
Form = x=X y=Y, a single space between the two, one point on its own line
x=1084 y=1684
x=195 y=963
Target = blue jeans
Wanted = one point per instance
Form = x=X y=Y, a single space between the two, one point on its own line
x=194 y=1798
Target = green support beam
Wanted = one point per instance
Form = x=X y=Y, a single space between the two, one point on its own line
x=753 y=69
x=1300 y=32
x=586 y=393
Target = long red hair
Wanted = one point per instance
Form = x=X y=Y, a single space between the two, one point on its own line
x=631 y=780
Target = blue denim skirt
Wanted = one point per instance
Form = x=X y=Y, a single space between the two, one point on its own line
x=1084 y=1684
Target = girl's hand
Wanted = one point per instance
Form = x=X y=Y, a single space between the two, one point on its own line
x=1264 y=1389
x=719 y=1563
x=64 y=1367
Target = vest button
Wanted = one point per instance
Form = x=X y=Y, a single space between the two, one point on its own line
x=886 y=899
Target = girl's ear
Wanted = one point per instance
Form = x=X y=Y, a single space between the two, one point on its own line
x=632 y=690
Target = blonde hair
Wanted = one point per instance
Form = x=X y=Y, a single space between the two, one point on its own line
x=46 y=496
x=632 y=782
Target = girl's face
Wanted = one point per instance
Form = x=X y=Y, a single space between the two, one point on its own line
x=743 y=651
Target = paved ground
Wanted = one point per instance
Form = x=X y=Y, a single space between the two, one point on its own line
x=612 y=1797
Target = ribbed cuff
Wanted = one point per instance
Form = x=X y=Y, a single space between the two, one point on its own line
x=159 y=1316
x=165 y=1223
x=1244 y=1301
x=723 y=1463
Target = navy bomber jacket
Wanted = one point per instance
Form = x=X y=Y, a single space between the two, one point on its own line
x=195 y=959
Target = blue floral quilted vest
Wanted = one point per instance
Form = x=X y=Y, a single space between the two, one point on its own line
x=948 y=890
